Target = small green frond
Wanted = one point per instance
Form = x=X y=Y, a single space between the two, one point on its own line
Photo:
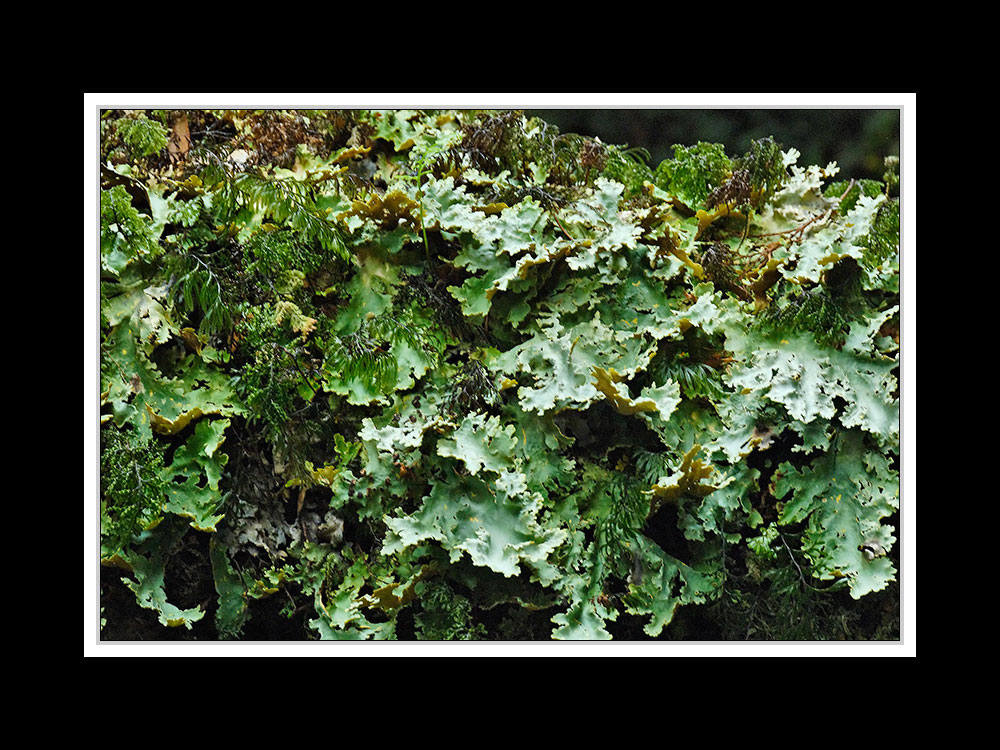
x=140 y=135
x=132 y=488
x=694 y=172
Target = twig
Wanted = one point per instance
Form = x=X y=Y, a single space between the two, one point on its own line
x=802 y=577
x=802 y=227
x=295 y=361
x=556 y=219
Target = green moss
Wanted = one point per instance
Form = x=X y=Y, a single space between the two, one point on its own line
x=132 y=486
x=694 y=172
x=141 y=136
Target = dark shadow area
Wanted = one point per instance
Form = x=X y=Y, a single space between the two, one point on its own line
x=857 y=139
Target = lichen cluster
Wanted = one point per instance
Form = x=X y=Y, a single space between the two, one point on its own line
x=456 y=375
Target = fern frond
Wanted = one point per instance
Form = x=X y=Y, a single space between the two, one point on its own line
x=696 y=379
x=651 y=467
x=198 y=287
x=616 y=531
x=288 y=201
x=290 y=312
x=472 y=389
x=285 y=200
x=359 y=357
x=825 y=311
x=366 y=354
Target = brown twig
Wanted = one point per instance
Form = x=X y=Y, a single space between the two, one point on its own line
x=818 y=217
x=556 y=219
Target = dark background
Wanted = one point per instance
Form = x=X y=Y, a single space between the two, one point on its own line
x=857 y=139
